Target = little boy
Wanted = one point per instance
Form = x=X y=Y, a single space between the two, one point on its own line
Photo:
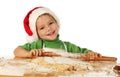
x=42 y=27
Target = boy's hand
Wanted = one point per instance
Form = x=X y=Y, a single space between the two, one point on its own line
x=93 y=55
x=35 y=53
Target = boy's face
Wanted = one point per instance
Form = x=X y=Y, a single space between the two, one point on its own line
x=47 y=28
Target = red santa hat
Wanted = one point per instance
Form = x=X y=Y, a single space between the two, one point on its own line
x=30 y=21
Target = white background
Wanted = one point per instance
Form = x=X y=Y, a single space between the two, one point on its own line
x=93 y=24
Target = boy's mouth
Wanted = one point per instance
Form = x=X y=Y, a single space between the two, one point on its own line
x=51 y=33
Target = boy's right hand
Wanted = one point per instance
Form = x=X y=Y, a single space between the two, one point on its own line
x=35 y=53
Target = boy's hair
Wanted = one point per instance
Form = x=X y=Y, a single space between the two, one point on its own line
x=50 y=16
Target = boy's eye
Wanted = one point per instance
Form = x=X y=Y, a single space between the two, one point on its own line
x=51 y=23
x=41 y=28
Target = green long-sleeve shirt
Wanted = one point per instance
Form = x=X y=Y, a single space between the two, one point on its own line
x=57 y=44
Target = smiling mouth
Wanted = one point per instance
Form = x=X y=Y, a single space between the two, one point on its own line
x=51 y=33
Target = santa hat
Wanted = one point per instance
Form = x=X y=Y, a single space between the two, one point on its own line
x=30 y=21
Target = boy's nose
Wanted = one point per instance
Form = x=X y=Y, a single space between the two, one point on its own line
x=48 y=28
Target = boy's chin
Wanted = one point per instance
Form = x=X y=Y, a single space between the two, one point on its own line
x=50 y=39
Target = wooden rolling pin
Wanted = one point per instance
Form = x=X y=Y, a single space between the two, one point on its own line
x=102 y=58
x=50 y=54
x=85 y=58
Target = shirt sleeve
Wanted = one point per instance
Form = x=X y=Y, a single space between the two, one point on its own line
x=76 y=49
x=33 y=45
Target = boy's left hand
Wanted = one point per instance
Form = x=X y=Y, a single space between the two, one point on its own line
x=92 y=55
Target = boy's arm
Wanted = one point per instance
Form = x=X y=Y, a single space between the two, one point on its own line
x=21 y=52
x=28 y=49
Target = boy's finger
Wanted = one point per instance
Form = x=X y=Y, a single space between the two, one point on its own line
x=40 y=52
x=36 y=52
x=33 y=53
